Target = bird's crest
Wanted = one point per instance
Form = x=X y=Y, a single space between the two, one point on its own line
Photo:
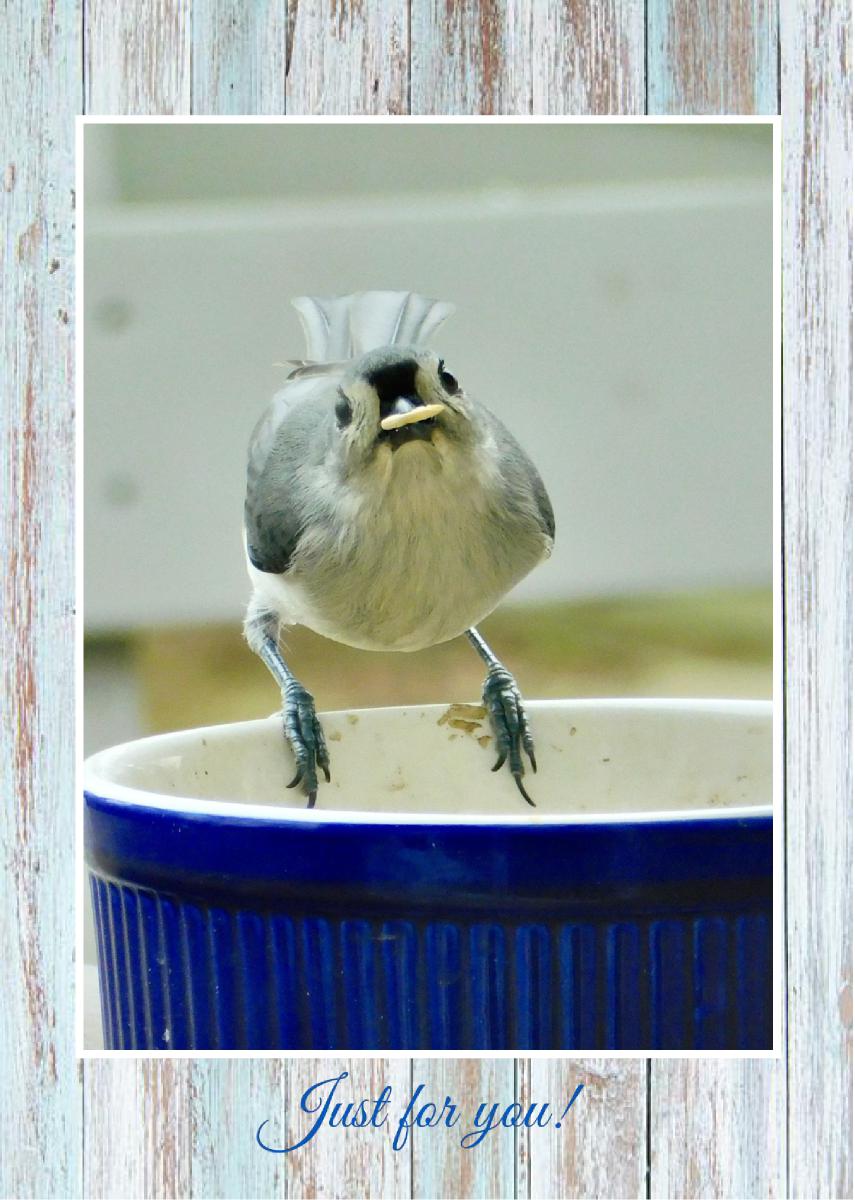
x=344 y=327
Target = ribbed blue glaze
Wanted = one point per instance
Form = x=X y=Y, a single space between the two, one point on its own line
x=232 y=932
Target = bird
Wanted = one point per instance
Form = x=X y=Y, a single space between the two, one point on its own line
x=386 y=509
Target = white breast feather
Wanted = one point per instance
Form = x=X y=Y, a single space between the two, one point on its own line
x=418 y=556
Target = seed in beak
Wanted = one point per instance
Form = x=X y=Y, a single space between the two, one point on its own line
x=396 y=420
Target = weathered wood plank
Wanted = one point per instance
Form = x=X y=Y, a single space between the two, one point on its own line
x=817 y=453
x=441 y=1166
x=522 y=1150
x=514 y=56
x=239 y=56
x=347 y=58
x=113 y=1158
x=137 y=57
x=40 y=1099
x=718 y=1129
x=229 y=1099
x=724 y=65
x=716 y=57
x=600 y=1150
x=137 y=1129
x=354 y=1163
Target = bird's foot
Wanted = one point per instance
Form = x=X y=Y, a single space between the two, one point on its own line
x=306 y=739
x=504 y=703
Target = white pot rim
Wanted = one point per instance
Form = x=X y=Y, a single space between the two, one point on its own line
x=97 y=781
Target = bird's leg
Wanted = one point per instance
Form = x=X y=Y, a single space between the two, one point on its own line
x=300 y=722
x=504 y=704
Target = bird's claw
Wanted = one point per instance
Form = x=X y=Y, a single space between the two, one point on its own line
x=508 y=718
x=306 y=739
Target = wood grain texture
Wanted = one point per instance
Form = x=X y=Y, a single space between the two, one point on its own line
x=817 y=452
x=112 y=1105
x=137 y=57
x=715 y=1127
x=441 y=1166
x=239 y=56
x=361 y=1162
x=137 y=1129
x=348 y=57
x=717 y=57
x=175 y=1128
x=515 y=56
x=39 y=1081
x=229 y=1100
x=718 y=1129
x=601 y=1148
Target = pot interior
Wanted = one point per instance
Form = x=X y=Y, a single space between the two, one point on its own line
x=610 y=758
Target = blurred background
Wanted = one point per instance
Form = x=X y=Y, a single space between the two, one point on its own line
x=613 y=292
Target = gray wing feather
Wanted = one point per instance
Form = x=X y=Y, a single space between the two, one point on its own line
x=523 y=485
x=292 y=436
x=544 y=506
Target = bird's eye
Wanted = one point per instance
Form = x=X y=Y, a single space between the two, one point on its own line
x=343 y=411
x=447 y=379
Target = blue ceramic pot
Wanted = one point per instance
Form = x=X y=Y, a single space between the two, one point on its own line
x=421 y=905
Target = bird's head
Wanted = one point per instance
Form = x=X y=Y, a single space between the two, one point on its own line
x=400 y=399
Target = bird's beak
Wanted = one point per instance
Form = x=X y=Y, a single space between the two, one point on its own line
x=407 y=411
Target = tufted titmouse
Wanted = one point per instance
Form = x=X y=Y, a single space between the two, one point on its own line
x=385 y=509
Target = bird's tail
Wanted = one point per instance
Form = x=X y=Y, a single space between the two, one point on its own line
x=345 y=327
